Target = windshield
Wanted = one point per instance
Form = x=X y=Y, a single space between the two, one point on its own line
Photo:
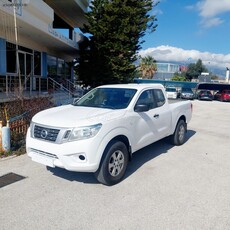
x=186 y=90
x=111 y=98
x=171 y=89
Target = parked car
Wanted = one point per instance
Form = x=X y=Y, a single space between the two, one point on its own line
x=171 y=92
x=101 y=131
x=223 y=95
x=186 y=93
x=205 y=95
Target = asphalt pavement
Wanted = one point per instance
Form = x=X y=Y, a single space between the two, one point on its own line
x=166 y=187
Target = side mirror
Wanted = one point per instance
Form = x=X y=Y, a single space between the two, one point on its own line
x=141 y=108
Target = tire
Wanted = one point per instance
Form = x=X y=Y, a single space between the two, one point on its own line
x=113 y=164
x=178 y=137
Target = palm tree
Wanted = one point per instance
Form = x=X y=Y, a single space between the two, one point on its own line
x=148 y=67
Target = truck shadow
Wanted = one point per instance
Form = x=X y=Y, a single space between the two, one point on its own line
x=150 y=152
x=138 y=160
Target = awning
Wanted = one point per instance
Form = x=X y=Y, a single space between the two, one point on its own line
x=213 y=86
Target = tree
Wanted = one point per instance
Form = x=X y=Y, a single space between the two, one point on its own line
x=148 y=67
x=116 y=28
x=178 y=77
x=195 y=70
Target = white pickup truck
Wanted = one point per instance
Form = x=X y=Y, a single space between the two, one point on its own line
x=100 y=132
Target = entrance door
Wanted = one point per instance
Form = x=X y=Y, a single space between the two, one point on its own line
x=25 y=66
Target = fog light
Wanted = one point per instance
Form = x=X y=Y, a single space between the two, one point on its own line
x=81 y=157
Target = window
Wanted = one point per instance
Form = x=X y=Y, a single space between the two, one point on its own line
x=68 y=70
x=61 y=67
x=11 y=58
x=51 y=65
x=147 y=98
x=37 y=63
x=112 y=98
x=159 y=96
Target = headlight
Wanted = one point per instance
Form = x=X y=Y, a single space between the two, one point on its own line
x=85 y=132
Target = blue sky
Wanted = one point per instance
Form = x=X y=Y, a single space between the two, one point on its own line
x=189 y=30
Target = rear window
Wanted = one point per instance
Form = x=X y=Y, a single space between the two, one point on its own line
x=186 y=90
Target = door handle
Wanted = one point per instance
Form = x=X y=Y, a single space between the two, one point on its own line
x=156 y=116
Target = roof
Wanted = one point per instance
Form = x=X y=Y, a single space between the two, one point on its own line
x=213 y=86
x=134 y=86
x=71 y=11
x=165 y=83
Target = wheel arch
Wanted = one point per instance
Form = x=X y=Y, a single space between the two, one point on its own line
x=183 y=118
x=121 y=138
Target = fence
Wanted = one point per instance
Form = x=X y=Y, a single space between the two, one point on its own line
x=18 y=128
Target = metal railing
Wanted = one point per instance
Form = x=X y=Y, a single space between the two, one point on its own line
x=12 y=87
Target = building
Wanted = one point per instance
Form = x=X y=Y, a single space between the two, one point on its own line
x=31 y=47
x=165 y=71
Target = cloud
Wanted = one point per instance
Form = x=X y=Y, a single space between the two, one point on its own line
x=173 y=54
x=212 y=8
x=210 y=11
x=211 y=22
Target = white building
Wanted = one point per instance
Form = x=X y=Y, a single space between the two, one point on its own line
x=165 y=71
x=31 y=46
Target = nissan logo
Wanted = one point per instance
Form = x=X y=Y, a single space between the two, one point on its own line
x=44 y=133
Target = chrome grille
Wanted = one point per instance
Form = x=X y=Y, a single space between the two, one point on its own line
x=45 y=133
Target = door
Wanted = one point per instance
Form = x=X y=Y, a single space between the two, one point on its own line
x=25 y=69
x=151 y=125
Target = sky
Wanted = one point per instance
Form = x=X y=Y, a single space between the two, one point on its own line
x=189 y=30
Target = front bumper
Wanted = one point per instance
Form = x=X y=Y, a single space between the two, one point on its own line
x=187 y=96
x=79 y=156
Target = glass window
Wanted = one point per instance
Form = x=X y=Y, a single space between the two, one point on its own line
x=37 y=63
x=68 y=70
x=160 y=98
x=111 y=98
x=61 y=67
x=11 y=58
x=27 y=50
x=147 y=98
x=51 y=65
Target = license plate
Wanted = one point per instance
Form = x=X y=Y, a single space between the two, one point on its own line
x=43 y=160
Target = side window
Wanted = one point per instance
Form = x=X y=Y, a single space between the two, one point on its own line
x=147 y=97
x=159 y=96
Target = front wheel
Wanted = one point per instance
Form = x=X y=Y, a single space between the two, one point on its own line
x=178 y=137
x=114 y=164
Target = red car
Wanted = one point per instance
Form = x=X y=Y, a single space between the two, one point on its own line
x=223 y=95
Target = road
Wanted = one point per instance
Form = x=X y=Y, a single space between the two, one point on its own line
x=166 y=187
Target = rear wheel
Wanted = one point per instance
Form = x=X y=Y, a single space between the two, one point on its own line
x=114 y=164
x=178 y=137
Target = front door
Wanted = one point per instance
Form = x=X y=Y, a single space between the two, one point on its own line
x=153 y=124
x=25 y=68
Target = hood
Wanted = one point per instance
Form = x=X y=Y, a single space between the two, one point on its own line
x=73 y=116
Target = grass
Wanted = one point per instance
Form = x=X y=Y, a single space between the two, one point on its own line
x=17 y=149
